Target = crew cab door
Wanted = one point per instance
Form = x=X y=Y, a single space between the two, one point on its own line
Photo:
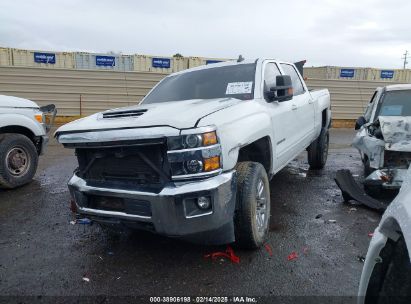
x=282 y=118
x=302 y=106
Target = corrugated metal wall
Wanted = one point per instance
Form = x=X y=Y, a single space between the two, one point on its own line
x=113 y=62
x=26 y=58
x=5 y=57
x=349 y=98
x=159 y=64
x=332 y=72
x=99 y=90
x=68 y=89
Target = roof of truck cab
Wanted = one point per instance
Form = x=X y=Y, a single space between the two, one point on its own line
x=221 y=64
x=396 y=87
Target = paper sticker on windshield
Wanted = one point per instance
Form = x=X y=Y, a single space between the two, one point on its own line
x=234 y=88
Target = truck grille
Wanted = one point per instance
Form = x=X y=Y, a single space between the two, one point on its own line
x=130 y=206
x=143 y=166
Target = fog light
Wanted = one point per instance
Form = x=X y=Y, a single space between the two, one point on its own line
x=194 y=166
x=203 y=202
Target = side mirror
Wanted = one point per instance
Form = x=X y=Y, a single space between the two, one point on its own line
x=283 y=91
x=360 y=122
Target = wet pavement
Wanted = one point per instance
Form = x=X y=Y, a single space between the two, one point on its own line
x=41 y=253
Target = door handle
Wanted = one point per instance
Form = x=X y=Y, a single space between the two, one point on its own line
x=294 y=107
x=310 y=100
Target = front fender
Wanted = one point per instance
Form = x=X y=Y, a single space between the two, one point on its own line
x=7 y=120
x=239 y=132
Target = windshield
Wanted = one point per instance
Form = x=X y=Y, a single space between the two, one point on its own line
x=235 y=81
x=395 y=103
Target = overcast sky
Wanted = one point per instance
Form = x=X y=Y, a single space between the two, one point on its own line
x=369 y=33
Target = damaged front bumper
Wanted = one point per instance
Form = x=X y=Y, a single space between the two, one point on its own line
x=172 y=212
x=386 y=178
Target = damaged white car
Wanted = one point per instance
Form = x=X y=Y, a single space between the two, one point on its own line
x=386 y=276
x=384 y=138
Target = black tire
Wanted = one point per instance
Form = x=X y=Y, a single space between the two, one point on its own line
x=396 y=285
x=18 y=160
x=317 y=152
x=252 y=216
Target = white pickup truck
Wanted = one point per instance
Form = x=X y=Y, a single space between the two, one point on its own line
x=23 y=137
x=194 y=159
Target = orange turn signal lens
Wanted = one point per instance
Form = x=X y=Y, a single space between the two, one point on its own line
x=209 y=138
x=211 y=164
x=39 y=117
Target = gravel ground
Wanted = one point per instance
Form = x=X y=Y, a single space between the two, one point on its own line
x=42 y=254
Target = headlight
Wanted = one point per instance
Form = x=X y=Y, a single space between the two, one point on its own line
x=191 y=141
x=194 y=155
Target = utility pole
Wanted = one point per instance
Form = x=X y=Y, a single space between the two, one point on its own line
x=405 y=59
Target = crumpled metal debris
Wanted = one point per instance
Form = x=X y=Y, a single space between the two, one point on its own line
x=396 y=133
x=292 y=256
x=373 y=147
x=228 y=253
x=351 y=191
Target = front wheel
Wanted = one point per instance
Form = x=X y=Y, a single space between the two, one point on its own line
x=252 y=216
x=18 y=160
x=318 y=150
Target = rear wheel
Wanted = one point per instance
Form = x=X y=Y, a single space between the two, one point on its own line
x=318 y=150
x=252 y=215
x=18 y=160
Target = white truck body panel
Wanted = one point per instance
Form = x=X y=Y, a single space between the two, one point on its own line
x=190 y=148
x=16 y=111
x=291 y=126
x=16 y=102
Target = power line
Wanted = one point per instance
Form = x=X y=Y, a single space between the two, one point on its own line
x=405 y=59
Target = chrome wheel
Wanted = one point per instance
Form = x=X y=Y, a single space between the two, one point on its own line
x=261 y=214
x=17 y=161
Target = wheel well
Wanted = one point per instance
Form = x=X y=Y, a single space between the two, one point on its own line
x=24 y=131
x=324 y=118
x=258 y=151
x=389 y=276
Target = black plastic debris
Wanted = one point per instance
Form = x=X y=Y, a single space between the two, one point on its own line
x=352 y=191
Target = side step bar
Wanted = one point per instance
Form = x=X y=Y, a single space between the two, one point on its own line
x=352 y=191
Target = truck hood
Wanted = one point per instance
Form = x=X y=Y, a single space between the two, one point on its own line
x=177 y=114
x=396 y=131
x=16 y=102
